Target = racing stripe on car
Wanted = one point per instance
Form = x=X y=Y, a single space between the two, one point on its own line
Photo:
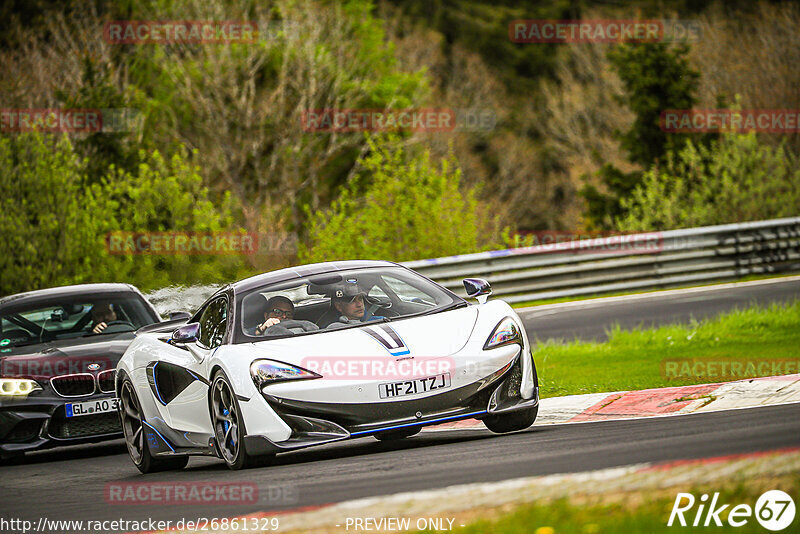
x=387 y=337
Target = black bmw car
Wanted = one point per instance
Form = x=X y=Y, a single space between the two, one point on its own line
x=58 y=351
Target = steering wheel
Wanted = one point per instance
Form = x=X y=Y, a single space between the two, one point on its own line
x=375 y=305
x=380 y=302
x=115 y=327
x=305 y=326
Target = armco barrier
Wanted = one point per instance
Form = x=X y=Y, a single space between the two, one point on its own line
x=626 y=262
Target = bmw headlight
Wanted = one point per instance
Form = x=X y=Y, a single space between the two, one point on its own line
x=265 y=372
x=505 y=333
x=18 y=387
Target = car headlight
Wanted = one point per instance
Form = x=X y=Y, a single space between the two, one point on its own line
x=266 y=372
x=505 y=333
x=18 y=387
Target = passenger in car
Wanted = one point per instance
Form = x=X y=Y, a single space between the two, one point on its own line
x=277 y=308
x=351 y=302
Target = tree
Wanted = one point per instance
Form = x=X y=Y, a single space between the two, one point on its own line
x=167 y=195
x=50 y=222
x=655 y=78
x=56 y=222
x=733 y=179
x=403 y=207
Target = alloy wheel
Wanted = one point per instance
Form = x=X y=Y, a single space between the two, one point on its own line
x=226 y=420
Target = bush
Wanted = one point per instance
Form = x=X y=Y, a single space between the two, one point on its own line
x=734 y=179
x=55 y=223
x=50 y=222
x=409 y=209
x=167 y=195
x=656 y=77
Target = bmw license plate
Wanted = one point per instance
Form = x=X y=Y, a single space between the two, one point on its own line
x=91 y=407
x=416 y=385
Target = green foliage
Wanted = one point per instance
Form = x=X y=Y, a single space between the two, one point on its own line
x=410 y=209
x=97 y=91
x=656 y=78
x=734 y=179
x=50 y=222
x=629 y=505
x=635 y=359
x=603 y=208
x=168 y=195
x=55 y=222
x=482 y=26
x=242 y=104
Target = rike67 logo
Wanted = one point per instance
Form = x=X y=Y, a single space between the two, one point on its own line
x=774 y=510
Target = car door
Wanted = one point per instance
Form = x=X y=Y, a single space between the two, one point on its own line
x=182 y=384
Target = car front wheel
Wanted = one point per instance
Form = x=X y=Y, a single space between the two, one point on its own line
x=133 y=429
x=229 y=429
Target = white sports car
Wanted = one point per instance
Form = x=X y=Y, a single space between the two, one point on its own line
x=320 y=353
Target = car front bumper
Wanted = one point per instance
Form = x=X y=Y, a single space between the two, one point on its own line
x=315 y=423
x=41 y=422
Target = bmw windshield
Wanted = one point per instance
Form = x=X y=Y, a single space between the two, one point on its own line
x=66 y=318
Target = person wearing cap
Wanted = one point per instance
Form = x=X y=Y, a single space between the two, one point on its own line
x=350 y=302
x=277 y=308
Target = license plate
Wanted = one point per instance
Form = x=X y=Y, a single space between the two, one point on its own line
x=76 y=409
x=414 y=386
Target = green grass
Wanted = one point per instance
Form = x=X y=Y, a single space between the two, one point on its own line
x=666 y=356
x=640 y=512
x=542 y=302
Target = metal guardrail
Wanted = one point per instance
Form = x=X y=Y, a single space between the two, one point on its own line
x=626 y=262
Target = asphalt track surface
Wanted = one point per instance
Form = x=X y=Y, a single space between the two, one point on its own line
x=590 y=319
x=70 y=483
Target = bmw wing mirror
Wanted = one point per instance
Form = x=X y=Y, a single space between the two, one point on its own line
x=477 y=288
x=175 y=315
x=186 y=334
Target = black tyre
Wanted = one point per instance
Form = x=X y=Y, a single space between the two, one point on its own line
x=391 y=435
x=229 y=429
x=511 y=422
x=132 y=428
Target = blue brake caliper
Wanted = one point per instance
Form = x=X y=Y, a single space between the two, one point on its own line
x=227 y=425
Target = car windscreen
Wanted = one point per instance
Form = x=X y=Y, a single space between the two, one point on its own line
x=65 y=318
x=342 y=299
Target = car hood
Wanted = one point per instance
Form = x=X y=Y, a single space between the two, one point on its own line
x=435 y=335
x=62 y=357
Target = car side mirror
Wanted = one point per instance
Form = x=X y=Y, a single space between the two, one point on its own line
x=186 y=334
x=175 y=315
x=477 y=288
